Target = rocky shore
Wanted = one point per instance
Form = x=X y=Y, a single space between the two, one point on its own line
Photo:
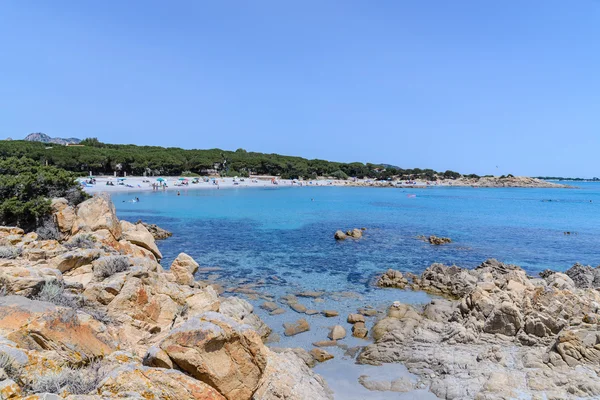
x=495 y=333
x=93 y=315
x=483 y=182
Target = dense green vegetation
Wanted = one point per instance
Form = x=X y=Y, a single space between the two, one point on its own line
x=26 y=188
x=101 y=158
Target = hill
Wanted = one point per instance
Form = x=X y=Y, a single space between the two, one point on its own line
x=42 y=137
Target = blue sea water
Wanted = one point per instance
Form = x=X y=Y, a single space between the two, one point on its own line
x=288 y=232
x=280 y=241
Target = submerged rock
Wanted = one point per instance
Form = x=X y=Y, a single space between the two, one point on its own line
x=294 y=328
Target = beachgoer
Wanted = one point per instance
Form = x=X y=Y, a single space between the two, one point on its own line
x=178 y=194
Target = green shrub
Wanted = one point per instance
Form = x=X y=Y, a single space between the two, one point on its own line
x=26 y=188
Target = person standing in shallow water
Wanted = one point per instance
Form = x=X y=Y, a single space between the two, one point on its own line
x=178 y=194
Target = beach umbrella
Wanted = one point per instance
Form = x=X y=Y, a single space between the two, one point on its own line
x=160 y=179
x=121 y=179
x=182 y=179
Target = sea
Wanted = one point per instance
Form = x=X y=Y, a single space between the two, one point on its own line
x=280 y=240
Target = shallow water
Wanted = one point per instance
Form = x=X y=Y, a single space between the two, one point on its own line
x=280 y=241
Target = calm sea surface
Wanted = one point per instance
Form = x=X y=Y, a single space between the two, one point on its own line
x=280 y=241
x=288 y=232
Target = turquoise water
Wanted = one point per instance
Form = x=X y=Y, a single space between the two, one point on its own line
x=280 y=241
x=288 y=232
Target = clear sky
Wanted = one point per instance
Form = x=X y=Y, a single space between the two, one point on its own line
x=461 y=85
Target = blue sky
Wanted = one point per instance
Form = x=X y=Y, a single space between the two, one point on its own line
x=461 y=85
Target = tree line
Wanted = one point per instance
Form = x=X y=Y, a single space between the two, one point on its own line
x=106 y=159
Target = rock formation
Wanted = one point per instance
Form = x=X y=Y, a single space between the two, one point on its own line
x=438 y=240
x=95 y=314
x=353 y=234
x=499 y=334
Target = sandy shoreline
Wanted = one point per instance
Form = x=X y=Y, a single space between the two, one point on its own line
x=136 y=183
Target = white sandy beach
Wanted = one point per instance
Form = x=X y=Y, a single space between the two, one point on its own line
x=137 y=183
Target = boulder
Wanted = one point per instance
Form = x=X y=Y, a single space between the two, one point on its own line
x=321 y=355
x=337 y=332
x=139 y=235
x=239 y=309
x=64 y=215
x=183 y=269
x=288 y=378
x=304 y=355
x=294 y=328
x=37 y=325
x=95 y=214
x=269 y=306
x=340 y=235
x=354 y=318
x=219 y=351
x=157 y=357
x=359 y=330
x=355 y=233
x=299 y=308
x=438 y=240
x=155 y=383
x=75 y=258
x=330 y=313
x=26 y=281
x=505 y=319
x=393 y=279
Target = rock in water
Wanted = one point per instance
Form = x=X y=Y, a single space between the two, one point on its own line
x=339 y=235
x=439 y=240
x=294 y=328
x=321 y=355
x=354 y=318
x=393 y=279
x=503 y=334
x=337 y=332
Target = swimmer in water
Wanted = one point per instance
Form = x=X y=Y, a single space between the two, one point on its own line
x=178 y=194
